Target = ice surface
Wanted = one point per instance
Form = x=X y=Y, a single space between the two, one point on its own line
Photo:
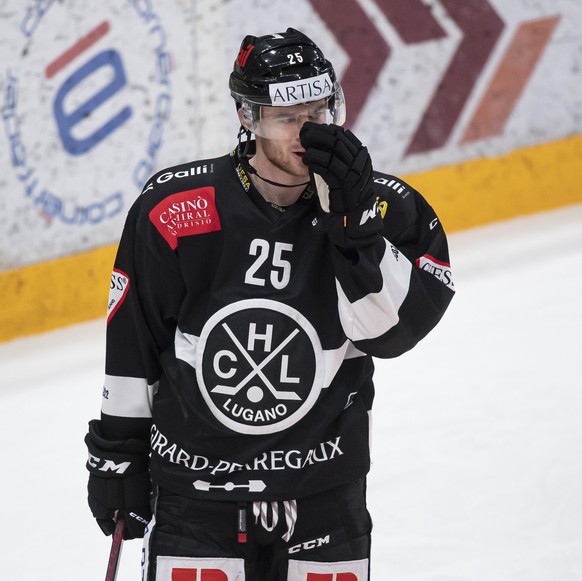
x=477 y=472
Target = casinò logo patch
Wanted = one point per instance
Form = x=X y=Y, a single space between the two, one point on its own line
x=259 y=366
x=186 y=214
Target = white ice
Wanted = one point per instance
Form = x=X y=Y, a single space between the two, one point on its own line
x=477 y=472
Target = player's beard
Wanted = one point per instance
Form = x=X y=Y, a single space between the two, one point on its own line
x=279 y=153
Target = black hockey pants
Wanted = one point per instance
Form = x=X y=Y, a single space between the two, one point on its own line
x=324 y=537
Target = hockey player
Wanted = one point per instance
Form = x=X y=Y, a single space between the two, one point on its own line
x=249 y=296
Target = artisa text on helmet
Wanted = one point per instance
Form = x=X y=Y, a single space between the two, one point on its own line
x=294 y=92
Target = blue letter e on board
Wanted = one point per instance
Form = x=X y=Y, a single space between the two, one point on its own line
x=66 y=122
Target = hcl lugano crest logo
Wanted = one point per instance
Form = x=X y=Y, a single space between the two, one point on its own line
x=259 y=366
x=85 y=106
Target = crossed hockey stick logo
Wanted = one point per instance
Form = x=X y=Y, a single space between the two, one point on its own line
x=257 y=370
x=259 y=366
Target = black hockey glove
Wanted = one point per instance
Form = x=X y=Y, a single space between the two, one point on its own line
x=119 y=482
x=342 y=172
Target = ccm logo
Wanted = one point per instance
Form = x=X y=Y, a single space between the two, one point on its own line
x=313 y=544
x=107 y=465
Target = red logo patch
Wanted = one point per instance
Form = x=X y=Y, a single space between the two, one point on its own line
x=186 y=214
x=192 y=575
x=438 y=268
x=331 y=577
x=243 y=55
x=117 y=292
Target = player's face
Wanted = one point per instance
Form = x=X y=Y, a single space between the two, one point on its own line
x=285 y=122
x=282 y=124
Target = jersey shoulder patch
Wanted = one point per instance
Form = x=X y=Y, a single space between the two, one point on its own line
x=186 y=213
x=117 y=292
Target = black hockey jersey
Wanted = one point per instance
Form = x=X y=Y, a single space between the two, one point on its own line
x=241 y=342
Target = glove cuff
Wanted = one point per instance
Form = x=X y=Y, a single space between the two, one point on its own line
x=109 y=459
x=353 y=229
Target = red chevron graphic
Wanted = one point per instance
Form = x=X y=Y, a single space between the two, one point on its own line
x=481 y=27
x=414 y=22
x=367 y=50
x=510 y=79
x=412 y=19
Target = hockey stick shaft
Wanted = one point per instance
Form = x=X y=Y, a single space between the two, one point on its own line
x=115 y=553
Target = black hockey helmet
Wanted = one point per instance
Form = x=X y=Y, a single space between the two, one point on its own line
x=283 y=69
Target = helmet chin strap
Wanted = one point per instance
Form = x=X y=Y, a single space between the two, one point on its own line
x=242 y=151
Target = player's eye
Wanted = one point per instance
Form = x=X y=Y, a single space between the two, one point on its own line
x=317 y=114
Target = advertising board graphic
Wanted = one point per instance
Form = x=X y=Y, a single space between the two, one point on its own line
x=87 y=99
x=476 y=103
